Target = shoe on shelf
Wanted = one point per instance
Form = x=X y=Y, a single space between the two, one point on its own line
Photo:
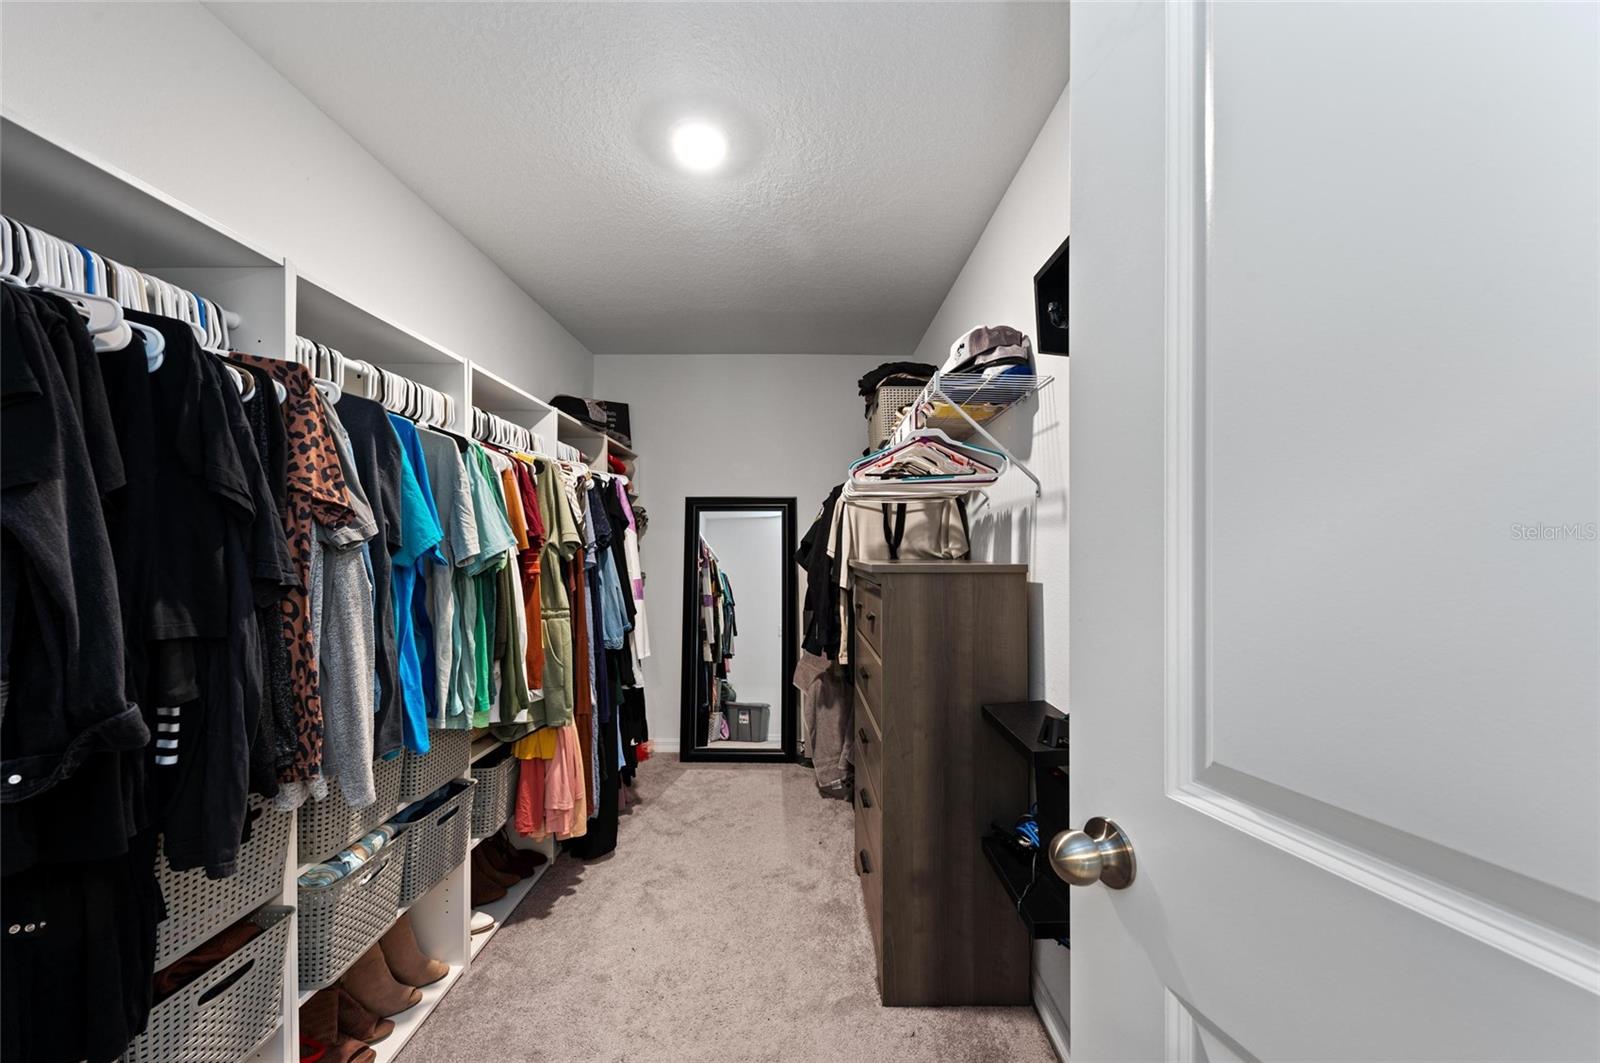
x=321 y=1040
x=507 y=858
x=356 y=1021
x=375 y=988
x=492 y=869
x=492 y=881
x=482 y=922
x=407 y=962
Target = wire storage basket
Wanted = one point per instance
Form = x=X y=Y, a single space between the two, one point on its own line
x=198 y=907
x=341 y=920
x=449 y=753
x=330 y=824
x=495 y=799
x=438 y=842
x=227 y=1011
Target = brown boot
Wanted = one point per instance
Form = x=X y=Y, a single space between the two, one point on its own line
x=484 y=890
x=481 y=863
x=320 y=1036
x=356 y=1021
x=405 y=957
x=370 y=982
x=504 y=856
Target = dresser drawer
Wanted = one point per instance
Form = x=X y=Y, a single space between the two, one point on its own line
x=869 y=809
x=869 y=869
x=867 y=667
x=869 y=612
x=868 y=749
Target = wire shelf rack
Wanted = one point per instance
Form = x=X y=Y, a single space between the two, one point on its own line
x=962 y=404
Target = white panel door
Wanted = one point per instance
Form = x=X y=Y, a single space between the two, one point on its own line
x=1335 y=572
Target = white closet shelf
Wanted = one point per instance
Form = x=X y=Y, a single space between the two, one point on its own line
x=78 y=198
x=963 y=405
x=495 y=394
x=408 y=1022
x=502 y=909
x=323 y=315
x=482 y=747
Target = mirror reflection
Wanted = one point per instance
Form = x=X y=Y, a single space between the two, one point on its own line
x=739 y=571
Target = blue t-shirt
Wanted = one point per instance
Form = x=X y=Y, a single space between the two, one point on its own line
x=420 y=536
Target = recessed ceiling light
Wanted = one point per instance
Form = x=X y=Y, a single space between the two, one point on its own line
x=698 y=146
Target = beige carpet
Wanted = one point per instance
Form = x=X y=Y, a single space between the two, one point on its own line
x=726 y=927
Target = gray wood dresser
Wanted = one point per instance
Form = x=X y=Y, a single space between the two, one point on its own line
x=932 y=643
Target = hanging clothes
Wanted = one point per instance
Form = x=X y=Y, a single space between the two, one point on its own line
x=316 y=493
x=452 y=497
x=345 y=640
x=377 y=456
x=419 y=552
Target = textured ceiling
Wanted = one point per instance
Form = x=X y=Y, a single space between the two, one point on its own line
x=869 y=145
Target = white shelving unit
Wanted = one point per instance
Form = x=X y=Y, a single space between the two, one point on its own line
x=323 y=315
x=502 y=909
x=78 y=198
x=494 y=394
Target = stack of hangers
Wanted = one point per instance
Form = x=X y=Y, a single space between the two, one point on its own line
x=492 y=428
x=926 y=464
x=34 y=257
x=414 y=401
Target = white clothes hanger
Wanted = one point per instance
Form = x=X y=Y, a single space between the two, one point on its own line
x=155 y=345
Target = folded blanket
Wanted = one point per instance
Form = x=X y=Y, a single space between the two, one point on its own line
x=348 y=860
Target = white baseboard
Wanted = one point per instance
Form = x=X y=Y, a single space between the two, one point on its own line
x=664 y=747
x=1055 y=1024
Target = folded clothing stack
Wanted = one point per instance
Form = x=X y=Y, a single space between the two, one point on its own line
x=359 y=852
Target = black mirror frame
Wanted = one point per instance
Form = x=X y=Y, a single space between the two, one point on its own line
x=790 y=721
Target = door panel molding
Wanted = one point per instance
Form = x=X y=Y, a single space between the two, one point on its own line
x=1484 y=902
x=1192 y=1039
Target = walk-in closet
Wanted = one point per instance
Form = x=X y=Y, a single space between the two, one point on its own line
x=579 y=532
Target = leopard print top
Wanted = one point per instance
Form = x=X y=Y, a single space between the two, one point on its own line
x=317 y=495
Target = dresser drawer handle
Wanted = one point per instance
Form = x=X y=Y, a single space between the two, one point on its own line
x=872 y=618
x=866 y=867
x=866 y=798
x=865 y=675
x=861 y=733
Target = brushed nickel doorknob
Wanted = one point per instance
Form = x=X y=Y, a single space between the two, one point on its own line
x=1100 y=852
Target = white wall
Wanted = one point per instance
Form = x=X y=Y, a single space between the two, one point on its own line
x=749 y=549
x=167 y=93
x=995 y=287
x=725 y=424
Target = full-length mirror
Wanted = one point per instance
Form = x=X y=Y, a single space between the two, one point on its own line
x=739 y=629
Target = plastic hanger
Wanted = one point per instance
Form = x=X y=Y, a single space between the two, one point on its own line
x=155 y=345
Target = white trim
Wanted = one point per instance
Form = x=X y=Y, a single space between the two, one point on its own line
x=1548 y=950
x=1182 y=1032
x=1055 y=1024
x=1189 y=137
x=659 y=747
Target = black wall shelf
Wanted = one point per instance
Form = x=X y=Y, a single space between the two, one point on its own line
x=1043 y=906
x=1041 y=899
x=1020 y=722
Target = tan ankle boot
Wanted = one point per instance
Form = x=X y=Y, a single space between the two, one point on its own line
x=370 y=982
x=320 y=1035
x=356 y=1021
x=405 y=957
